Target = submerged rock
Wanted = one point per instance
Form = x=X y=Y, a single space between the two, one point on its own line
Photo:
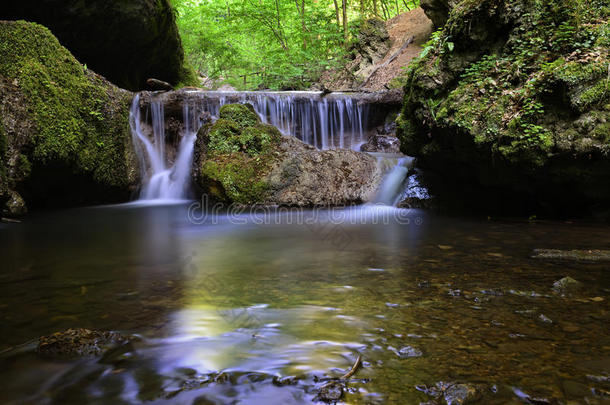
x=572 y=255
x=331 y=392
x=79 y=342
x=239 y=159
x=567 y=286
x=453 y=393
x=409 y=351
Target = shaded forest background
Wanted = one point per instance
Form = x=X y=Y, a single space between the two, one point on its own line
x=276 y=44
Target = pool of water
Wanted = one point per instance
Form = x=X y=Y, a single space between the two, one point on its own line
x=257 y=308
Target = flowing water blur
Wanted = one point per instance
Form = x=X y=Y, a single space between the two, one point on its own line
x=421 y=298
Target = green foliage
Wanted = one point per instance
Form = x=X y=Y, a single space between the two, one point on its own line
x=81 y=121
x=277 y=44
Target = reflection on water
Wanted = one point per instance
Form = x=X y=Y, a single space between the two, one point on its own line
x=229 y=307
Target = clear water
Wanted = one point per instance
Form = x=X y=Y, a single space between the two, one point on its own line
x=258 y=296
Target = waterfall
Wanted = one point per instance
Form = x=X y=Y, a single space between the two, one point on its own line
x=163 y=179
x=393 y=185
x=164 y=129
x=337 y=120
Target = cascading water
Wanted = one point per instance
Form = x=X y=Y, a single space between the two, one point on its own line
x=393 y=184
x=164 y=180
x=334 y=121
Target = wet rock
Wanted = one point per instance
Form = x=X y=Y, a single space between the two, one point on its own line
x=80 y=342
x=281 y=381
x=545 y=318
x=566 y=286
x=572 y=255
x=452 y=392
x=382 y=143
x=409 y=351
x=155 y=84
x=599 y=378
x=331 y=392
x=417 y=203
x=15 y=206
x=529 y=399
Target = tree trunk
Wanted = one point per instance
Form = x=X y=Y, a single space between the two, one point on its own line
x=344 y=5
x=337 y=14
x=301 y=12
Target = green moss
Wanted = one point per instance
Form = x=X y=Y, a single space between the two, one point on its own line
x=81 y=121
x=242 y=114
x=188 y=77
x=223 y=137
x=235 y=178
x=240 y=150
x=504 y=78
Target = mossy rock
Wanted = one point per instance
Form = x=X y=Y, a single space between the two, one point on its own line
x=497 y=102
x=238 y=153
x=244 y=161
x=127 y=41
x=242 y=114
x=67 y=128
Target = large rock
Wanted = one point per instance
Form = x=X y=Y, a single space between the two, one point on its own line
x=437 y=10
x=509 y=126
x=64 y=130
x=238 y=159
x=127 y=41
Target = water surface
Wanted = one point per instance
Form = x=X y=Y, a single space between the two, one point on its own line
x=225 y=306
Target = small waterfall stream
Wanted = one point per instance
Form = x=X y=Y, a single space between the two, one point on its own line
x=396 y=168
x=333 y=121
x=337 y=120
x=165 y=180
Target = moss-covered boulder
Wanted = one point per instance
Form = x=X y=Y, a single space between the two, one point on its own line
x=510 y=105
x=127 y=41
x=238 y=159
x=64 y=130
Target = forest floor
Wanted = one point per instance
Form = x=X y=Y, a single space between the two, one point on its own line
x=401 y=28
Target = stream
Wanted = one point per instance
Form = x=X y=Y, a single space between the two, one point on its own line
x=263 y=306
x=254 y=308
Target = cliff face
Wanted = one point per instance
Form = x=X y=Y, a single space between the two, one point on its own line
x=509 y=106
x=127 y=41
x=64 y=130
